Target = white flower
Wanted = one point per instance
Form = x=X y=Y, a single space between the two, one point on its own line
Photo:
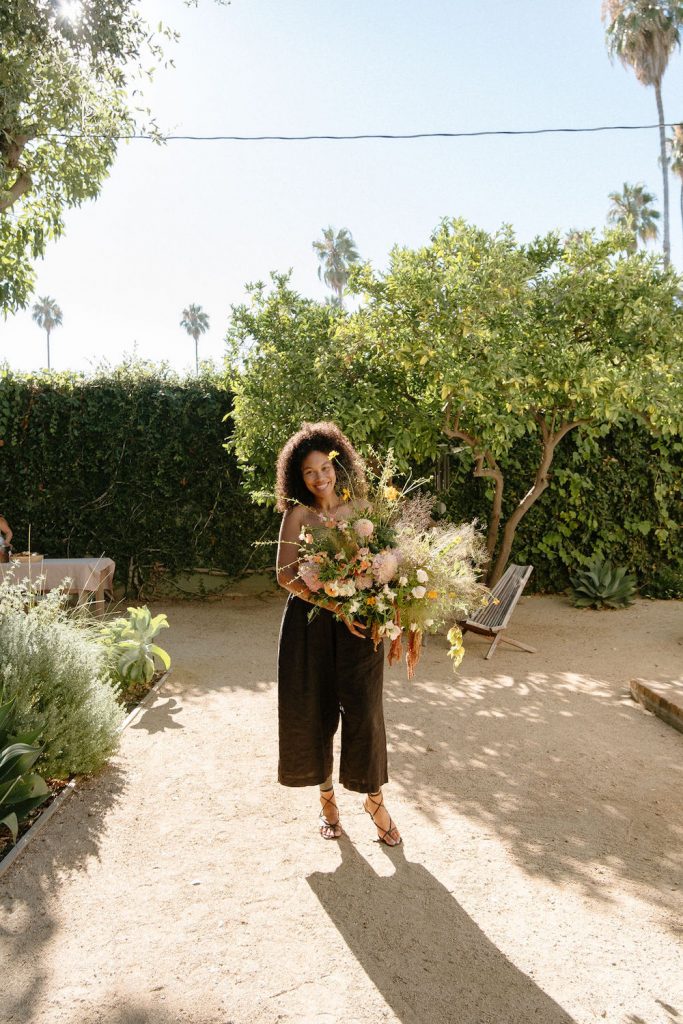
x=429 y=622
x=418 y=592
x=403 y=581
x=392 y=630
x=422 y=576
x=386 y=589
x=413 y=627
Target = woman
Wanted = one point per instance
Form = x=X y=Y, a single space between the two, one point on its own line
x=327 y=666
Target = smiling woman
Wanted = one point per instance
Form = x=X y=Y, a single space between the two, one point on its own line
x=328 y=668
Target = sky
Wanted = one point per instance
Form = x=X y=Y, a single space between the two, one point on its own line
x=196 y=221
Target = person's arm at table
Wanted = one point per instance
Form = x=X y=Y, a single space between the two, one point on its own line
x=5 y=529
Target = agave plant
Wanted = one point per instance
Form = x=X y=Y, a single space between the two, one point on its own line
x=600 y=585
x=20 y=789
x=131 y=642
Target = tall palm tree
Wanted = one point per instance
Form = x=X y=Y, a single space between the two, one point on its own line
x=47 y=315
x=196 y=322
x=336 y=253
x=675 y=155
x=632 y=209
x=643 y=34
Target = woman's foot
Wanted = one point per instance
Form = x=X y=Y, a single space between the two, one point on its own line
x=330 y=827
x=386 y=830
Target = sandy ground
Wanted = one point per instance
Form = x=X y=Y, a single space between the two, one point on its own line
x=540 y=879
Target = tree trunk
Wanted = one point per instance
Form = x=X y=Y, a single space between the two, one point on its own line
x=665 y=172
x=196 y=354
x=47 y=331
x=682 y=202
x=541 y=481
x=484 y=466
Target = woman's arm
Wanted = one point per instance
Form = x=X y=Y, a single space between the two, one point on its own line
x=4 y=528
x=288 y=567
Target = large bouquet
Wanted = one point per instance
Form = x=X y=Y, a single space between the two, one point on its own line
x=385 y=562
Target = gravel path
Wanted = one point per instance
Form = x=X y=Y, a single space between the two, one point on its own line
x=540 y=879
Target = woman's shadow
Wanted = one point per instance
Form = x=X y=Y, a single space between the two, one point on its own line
x=425 y=955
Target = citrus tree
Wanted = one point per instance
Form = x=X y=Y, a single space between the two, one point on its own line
x=499 y=340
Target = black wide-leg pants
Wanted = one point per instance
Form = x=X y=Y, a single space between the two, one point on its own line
x=324 y=674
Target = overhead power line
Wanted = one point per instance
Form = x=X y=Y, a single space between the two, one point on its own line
x=368 y=135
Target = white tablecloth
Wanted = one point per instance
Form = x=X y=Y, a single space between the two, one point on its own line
x=86 y=575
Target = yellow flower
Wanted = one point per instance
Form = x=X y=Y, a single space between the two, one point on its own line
x=390 y=493
x=346 y=494
x=332 y=455
x=432 y=594
x=371 y=601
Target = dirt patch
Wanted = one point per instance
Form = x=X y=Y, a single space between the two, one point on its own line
x=540 y=878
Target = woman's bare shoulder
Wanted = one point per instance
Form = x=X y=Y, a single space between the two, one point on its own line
x=296 y=515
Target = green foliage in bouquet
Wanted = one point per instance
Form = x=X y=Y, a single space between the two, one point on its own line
x=600 y=585
x=387 y=563
x=21 y=790
x=132 y=651
x=54 y=668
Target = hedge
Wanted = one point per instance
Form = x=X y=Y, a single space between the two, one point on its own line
x=130 y=462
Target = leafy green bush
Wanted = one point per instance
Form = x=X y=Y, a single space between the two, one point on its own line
x=58 y=674
x=129 y=642
x=601 y=585
x=21 y=790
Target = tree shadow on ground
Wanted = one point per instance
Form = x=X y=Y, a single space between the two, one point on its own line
x=28 y=890
x=574 y=778
x=432 y=963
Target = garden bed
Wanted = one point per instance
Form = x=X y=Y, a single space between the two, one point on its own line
x=60 y=789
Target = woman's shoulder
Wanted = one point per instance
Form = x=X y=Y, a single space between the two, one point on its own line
x=296 y=515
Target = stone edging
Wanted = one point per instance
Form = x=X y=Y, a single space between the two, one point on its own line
x=64 y=795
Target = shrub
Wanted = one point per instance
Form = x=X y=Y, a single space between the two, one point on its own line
x=54 y=667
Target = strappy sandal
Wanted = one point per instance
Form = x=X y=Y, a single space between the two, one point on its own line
x=384 y=835
x=329 y=829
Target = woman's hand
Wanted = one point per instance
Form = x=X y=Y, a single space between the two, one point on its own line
x=355 y=627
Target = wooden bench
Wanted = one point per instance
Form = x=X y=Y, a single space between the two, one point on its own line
x=493 y=619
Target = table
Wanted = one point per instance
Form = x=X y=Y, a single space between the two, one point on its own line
x=87 y=576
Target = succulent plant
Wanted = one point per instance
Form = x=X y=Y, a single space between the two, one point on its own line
x=601 y=585
x=21 y=790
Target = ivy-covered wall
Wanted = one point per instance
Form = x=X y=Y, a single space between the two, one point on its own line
x=128 y=463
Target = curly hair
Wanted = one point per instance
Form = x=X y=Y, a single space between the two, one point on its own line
x=317 y=437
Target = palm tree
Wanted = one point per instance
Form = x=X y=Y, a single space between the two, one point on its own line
x=336 y=252
x=47 y=315
x=632 y=209
x=643 y=34
x=196 y=322
x=675 y=155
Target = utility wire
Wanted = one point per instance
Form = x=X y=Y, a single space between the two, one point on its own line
x=370 y=135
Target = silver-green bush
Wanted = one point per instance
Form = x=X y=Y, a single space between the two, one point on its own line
x=53 y=665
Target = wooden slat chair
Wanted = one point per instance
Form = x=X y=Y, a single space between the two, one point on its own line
x=493 y=619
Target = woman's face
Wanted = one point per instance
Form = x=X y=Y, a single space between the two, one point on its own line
x=319 y=475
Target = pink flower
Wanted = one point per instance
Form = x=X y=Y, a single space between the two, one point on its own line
x=309 y=575
x=363 y=527
x=384 y=566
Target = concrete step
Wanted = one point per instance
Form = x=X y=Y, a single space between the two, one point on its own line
x=663 y=699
